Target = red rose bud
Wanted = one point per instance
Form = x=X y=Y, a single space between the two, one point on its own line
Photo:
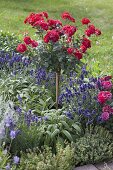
x=83 y=48
x=21 y=48
x=106 y=78
x=27 y=40
x=97 y=32
x=72 y=19
x=67 y=15
x=45 y=14
x=78 y=54
x=85 y=21
x=70 y=50
x=34 y=43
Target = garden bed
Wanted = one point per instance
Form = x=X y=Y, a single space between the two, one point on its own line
x=53 y=111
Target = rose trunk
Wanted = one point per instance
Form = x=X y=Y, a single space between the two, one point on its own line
x=57 y=87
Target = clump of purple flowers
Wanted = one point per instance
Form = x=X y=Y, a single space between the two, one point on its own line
x=13 y=61
x=42 y=77
x=79 y=96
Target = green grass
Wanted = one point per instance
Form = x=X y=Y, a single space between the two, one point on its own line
x=13 y=12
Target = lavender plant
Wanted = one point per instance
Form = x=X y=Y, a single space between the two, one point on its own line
x=13 y=62
x=79 y=96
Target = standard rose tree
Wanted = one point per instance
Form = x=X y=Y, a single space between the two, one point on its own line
x=59 y=47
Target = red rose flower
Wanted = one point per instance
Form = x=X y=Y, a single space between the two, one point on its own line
x=104 y=96
x=32 y=18
x=66 y=15
x=105 y=116
x=83 y=48
x=85 y=21
x=97 y=32
x=27 y=20
x=69 y=30
x=86 y=42
x=27 y=40
x=70 y=50
x=107 y=85
x=88 y=32
x=46 y=38
x=54 y=23
x=107 y=108
x=42 y=24
x=34 y=43
x=91 y=29
x=52 y=35
x=78 y=54
x=21 y=48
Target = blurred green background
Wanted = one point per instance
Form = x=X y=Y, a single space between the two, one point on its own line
x=100 y=12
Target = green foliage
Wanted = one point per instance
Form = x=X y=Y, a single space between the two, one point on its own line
x=109 y=124
x=8 y=42
x=4 y=156
x=62 y=160
x=53 y=57
x=95 y=146
x=34 y=97
x=57 y=128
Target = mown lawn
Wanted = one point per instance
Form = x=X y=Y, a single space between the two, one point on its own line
x=13 y=12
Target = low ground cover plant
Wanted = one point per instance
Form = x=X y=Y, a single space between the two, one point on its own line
x=94 y=147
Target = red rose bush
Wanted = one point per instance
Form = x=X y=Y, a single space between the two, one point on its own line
x=59 y=47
